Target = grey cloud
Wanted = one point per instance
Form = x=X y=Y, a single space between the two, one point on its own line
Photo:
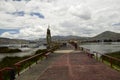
x=68 y=24
x=77 y=29
x=116 y=24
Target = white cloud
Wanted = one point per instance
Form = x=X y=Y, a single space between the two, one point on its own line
x=6 y=6
x=66 y=17
x=80 y=11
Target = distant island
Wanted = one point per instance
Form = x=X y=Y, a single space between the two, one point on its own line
x=12 y=41
x=8 y=50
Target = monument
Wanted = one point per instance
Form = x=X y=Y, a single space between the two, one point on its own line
x=48 y=38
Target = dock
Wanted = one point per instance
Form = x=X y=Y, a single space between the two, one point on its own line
x=69 y=64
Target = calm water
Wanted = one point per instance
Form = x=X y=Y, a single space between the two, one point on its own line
x=25 y=52
x=103 y=47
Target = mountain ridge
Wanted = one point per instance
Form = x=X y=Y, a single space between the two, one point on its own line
x=107 y=35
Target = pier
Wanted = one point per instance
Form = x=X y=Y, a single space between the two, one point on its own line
x=65 y=63
x=69 y=64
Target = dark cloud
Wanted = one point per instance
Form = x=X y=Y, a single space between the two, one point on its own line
x=37 y=14
x=12 y=31
x=85 y=17
x=17 y=13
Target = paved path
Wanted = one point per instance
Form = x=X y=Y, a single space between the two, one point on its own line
x=34 y=72
x=77 y=66
x=72 y=66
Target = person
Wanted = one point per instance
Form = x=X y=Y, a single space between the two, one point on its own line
x=75 y=45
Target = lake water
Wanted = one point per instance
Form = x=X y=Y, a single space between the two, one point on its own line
x=25 y=52
x=106 y=47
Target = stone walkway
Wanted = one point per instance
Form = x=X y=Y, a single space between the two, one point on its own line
x=72 y=66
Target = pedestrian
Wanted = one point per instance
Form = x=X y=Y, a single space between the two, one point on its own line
x=75 y=44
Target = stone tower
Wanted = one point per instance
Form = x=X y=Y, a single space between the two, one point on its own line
x=48 y=38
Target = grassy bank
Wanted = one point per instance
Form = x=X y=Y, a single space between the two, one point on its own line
x=8 y=50
x=115 y=54
x=115 y=63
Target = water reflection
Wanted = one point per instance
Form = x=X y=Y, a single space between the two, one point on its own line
x=25 y=52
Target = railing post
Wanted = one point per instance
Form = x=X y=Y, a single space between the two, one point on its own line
x=81 y=48
x=12 y=74
x=102 y=58
x=1 y=76
x=29 y=65
x=110 y=62
x=86 y=52
x=97 y=56
x=18 y=69
x=36 y=62
x=89 y=54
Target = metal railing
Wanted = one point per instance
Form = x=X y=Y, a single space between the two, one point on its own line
x=4 y=70
x=17 y=67
x=101 y=57
x=19 y=64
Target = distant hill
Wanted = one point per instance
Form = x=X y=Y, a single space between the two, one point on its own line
x=69 y=37
x=107 y=35
x=12 y=41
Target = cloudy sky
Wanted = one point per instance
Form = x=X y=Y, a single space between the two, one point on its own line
x=29 y=19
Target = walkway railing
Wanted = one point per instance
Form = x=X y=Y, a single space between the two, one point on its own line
x=17 y=67
x=112 y=61
x=6 y=69
x=22 y=63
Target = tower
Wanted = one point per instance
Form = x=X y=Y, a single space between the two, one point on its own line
x=48 y=38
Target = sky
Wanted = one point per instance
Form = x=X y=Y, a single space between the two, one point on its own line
x=29 y=19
